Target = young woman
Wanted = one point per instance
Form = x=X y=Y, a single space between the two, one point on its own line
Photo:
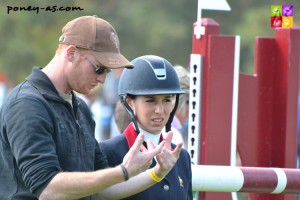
x=150 y=95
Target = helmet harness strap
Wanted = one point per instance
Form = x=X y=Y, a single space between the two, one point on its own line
x=130 y=112
x=172 y=114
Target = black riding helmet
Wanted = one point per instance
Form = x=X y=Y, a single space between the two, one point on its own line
x=151 y=75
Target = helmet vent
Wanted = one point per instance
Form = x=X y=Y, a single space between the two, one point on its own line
x=160 y=74
x=158 y=68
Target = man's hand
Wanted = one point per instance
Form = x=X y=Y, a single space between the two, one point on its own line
x=138 y=158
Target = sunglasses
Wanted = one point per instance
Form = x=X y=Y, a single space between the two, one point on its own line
x=98 y=70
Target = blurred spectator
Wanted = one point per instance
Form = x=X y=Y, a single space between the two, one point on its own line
x=94 y=101
x=102 y=102
x=120 y=120
x=180 y=121
x=109 y=100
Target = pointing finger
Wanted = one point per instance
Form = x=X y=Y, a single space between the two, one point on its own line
x=177 y=150
x=138 y=142
x=168 y=140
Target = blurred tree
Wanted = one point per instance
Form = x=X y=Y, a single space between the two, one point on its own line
x=144 y=27
x=254 y=20
x=159 y=28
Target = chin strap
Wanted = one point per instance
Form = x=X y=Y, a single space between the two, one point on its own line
x=172 y=114
x=131 y=114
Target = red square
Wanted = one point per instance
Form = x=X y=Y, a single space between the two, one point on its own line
x=276 y=21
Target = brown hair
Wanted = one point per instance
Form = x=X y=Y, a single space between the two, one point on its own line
x=122 y=118
x=184 y=79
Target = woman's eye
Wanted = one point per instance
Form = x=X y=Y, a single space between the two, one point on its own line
x=150 y=100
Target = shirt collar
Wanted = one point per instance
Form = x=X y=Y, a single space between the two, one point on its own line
x=131 y=135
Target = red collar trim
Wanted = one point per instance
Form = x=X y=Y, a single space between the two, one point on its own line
x=131 y=135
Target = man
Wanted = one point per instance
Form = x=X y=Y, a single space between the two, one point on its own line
x=48 y=149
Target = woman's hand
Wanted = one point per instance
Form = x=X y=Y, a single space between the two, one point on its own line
x=139 y=158
x=168 y=157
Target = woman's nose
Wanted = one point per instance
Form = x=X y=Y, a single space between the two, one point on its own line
x=158 y=107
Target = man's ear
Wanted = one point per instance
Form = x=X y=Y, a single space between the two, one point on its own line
x=70 y=52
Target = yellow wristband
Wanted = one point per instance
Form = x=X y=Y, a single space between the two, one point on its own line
x=154 y=177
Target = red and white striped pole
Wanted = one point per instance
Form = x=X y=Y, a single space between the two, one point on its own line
x=212 y=178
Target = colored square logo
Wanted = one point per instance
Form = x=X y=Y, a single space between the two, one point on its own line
x=276 y=22
x=287 y=10
x=282 y=16
x=276 y=10
x=287 y=22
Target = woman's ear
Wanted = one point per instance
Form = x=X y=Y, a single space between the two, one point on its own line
x=130 y=103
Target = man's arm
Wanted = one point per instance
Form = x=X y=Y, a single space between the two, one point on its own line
x=74 y=185
x=133 y=186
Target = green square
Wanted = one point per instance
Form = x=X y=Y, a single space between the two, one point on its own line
x=276 y=10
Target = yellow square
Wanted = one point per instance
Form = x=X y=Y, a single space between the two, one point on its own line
x=287 y=22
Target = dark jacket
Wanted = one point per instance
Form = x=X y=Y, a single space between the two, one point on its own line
x=41 y=135
x=177 y=185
